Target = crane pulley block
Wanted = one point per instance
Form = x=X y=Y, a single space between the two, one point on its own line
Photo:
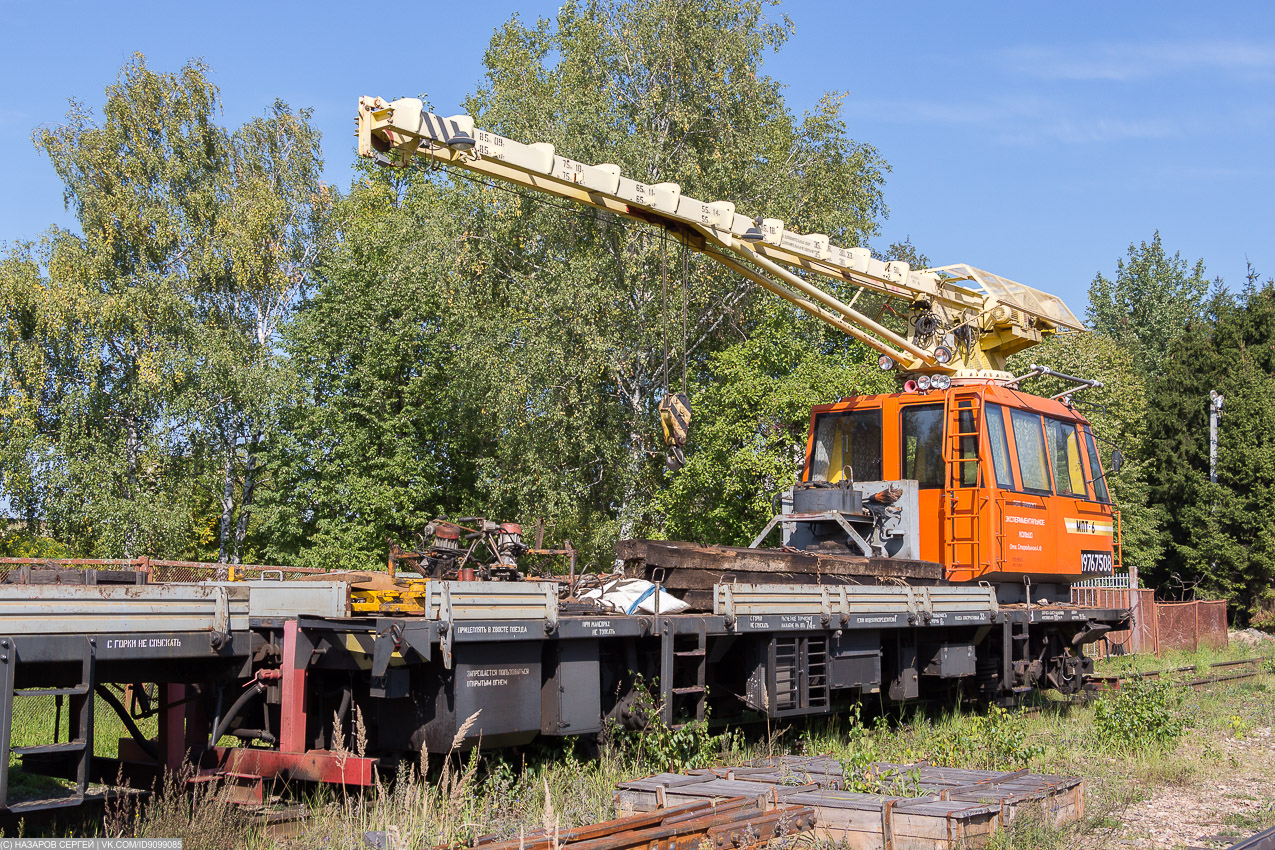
x=675 y=419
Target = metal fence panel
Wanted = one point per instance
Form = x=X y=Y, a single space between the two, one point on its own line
x=1212 y=622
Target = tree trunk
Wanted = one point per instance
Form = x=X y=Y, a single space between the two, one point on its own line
x=245 y=501
x=227 y=509
x=629 y=504
x=132 y=452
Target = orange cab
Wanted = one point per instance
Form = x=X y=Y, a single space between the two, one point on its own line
x=1010 y=485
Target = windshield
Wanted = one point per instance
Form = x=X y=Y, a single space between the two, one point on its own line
x=1064 y=450
x=1033 y=466
x=1095 y=471
x=847 y=445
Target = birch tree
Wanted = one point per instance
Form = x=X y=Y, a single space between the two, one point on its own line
x=271 y=228
x=543 y=330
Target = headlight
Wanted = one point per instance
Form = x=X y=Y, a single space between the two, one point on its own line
x=923 y=381
x=940 y=382
x=943 y=354
x=885 y=362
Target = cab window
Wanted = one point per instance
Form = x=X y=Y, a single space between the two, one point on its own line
x=1029 y=438
x=922 y=449
x=1001 y=466
x=847 y=444
x=1095 y=472
x=1064 y=452
x=967 y=459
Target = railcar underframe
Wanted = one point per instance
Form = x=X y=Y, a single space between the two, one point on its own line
x=292 y=688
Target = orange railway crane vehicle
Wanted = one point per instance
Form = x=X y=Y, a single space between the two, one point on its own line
x=962 y=468
x=962 y=491
x=927 y=549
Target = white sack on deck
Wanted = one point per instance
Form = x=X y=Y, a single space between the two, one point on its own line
x=630 y=595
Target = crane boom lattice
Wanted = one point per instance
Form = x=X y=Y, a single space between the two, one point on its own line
x=962 y=321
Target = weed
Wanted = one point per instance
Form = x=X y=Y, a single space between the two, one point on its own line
x=198 y=812
x=992 y=741
x=670 y=747
x=1253 y=820
x=1032 y=830
x=1144 y=714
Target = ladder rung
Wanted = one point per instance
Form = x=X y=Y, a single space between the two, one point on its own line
x=690 y=653
x=693 y=689
x=78 y=690
x=41 y=805
x=49 y=749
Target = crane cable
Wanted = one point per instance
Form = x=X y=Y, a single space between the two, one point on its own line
x=664 y=310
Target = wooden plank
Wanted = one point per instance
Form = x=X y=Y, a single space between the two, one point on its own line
x=733 y=560
x=962 y=809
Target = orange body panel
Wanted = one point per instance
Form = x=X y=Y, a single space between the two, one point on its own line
x=1022 y=498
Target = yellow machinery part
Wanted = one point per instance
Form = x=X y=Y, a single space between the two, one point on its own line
x=675 y=417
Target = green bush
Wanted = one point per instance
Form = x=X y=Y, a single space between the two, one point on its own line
x=992 y=741
x=676 y=748
x=1144 y=714
x=1263 y=617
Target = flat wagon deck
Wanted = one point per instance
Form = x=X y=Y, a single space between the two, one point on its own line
x=284 y=668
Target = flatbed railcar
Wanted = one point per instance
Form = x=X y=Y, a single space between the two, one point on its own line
x=290 y=669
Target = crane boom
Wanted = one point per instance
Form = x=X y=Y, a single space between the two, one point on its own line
x=962 y=321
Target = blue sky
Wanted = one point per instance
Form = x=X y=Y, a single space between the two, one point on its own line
x=1034 y=140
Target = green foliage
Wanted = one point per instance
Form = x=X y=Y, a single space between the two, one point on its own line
x=675 y=748
x=139 y=370
x=1144 y=714
x=992 y=741
x=470 y=349
x=1149 y=303
x=386 y=428
x=748 y=439
x=19 y=543
x=857 y=751
x=1221 y=537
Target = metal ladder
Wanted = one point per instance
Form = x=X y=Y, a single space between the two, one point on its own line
x=799 y=675
x=683 y=675
x=78 y=751
x=961 y=520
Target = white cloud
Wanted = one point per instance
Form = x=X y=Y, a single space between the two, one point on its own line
x=1017 y=120
x=1127 y=61
x=12 y=117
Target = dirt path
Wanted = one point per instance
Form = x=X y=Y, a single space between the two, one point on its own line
x=1216 y=808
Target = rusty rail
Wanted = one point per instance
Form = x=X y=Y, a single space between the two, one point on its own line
x=1116 y=682
x=736 y=823
x=145 y=563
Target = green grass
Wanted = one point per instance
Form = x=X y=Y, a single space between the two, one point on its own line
x=1247 y=823
x=556 y=784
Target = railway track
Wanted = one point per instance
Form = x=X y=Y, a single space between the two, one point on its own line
x=1227 y=671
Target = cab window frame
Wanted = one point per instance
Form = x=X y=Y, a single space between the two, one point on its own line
x=1093 y=466
x=1054 y=459
x=1016 y=415
x=834 y=416
x=941 y=468
x=1010 y=454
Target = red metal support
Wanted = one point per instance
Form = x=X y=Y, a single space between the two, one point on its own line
x=292 y=717
x=312 y=766
x=172 y=726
